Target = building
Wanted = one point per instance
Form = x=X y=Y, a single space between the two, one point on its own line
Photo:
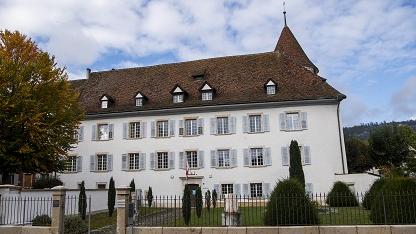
x=229 y=120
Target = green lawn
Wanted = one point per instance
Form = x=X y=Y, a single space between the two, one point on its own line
x=344 y=216
x=101 y=220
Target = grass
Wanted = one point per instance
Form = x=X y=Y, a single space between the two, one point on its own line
x=101 y=220
x=344 y=216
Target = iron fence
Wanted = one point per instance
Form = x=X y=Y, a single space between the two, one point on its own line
x=17 y=210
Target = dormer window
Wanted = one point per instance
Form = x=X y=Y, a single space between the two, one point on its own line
x=104 y=102
x=178 y=94
x=177 y=98
x=139 y=99
x=207 y=92
x=270 y=87
x=207 y=96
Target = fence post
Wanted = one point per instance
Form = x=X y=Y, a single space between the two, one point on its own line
x=58 y=209
x=123 y=193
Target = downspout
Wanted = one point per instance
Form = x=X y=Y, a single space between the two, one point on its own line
x=340 y=98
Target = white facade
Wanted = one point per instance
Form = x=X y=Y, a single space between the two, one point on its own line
x=321 y=136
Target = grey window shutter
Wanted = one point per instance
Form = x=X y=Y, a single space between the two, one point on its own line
x=217 y=189
x=265 y=123
x=153 y=129
x=125 y=130
x=214 y=158
x=152 y=161
x=266 y=189
x=93 y=163
x=267 y=156
x=232 y=124
x=285 y=156
x=181 y=160
x=245 y=190
x=181 y=127
x=309 y=188
x=124 y=162
x=171 y=160
x=282 y=121
x=172 y=127
x=237 y=190
x=246 y=158
x=307 y=155
x=142 y=161
x=94 y=132
x=213 y=126
x=79 y=164
x=109 y=162
x=200 y=126
x=304 y=120
x=143 y=129
x=245 y=124
x=81 y=133
x=111 y=131
x=201 y=159
x=233 y=153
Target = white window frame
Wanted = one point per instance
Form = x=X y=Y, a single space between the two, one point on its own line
x=102 y=162
x=135 y=130
x=178 y=98
x=139 y=101
x=71 y=164
x=133 y=161
x=207 y=96
x=104 y=104
x=291 y=123
x=256 y=190
x=102 y=135
x=223 y=125
x=271 y=89
x=101 y=183
x=162 y=160
x=162 y=128
x=256 y=157
x=227 y=189
x=224 y=158
x=254 y=123
x=191 y=127
x=192 y=159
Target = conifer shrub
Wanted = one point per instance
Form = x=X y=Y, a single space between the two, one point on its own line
x=341 y=196
x=208 y=200
x=295 y=167
x=394 y=203
x=149 y=197
x=82 y=201
x=198 y=202
x=111 y=197
x=289 y=205
x=132 y=186
x=42 y=220
x=372 y=192
x=214 y=198
x=74 y=225
x=186 y=205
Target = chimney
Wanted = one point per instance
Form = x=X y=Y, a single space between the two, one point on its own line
x=88 y=73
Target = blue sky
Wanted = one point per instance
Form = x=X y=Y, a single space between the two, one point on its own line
x=366 y=49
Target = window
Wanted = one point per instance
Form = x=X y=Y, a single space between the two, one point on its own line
x=271 y=89
x=104 y=102
x=177 y=98
x=256 y=190
x=139 y=101
x=76 y=135
x=227 y=188
x=134 y=130
x=224 y=158
x=71 y=164
x=103 y=132
x=192 y=157
x=191 y=127
x=207 y=96
x=101 y=185
x=256 y=156
x=255 y=123
x=222 y=125
x=292 y=121
x=162 y=128
x=162 y=160
x=134 y=161
x=101 y=162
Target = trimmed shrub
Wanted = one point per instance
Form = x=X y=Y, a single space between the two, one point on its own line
x=394 y=203
x=149 y=197
x=111 y=197
x=214 y=198
x=295 y=168
x=198 y=202
x=82 y=202
x=208 y=199
x=289 y=205
x=132 y=186
x=42 y=220
x=372 y=192
x=75 y=225
x=341 y=196
x=186 y=205
x=46 y=182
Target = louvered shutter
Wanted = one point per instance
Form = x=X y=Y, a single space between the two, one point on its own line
x=181 y=160
x=307 y=155
x=143 y=129
x=245 y=190
x=285 y=156
x=125 y=130
x=172 y=127
x=200 y=126
x=94 y=132
x=152 y=161
x=267 y=156
x=304 y=120
x=153 y=129
x=201 y=159
x=93 y=163
x=237 y=190
x=213 y=126
x=265 y=123
x=217 y=189
x=181 y=127
x=79 y=164
x=110 y=131
x=282 y=121
x=214 y=158
x=124 y=162
x=171 y=160
x=246 y=158
x=266 y=189
x=233 y=153
x=245 y=124
x=81 y=133
x=142 y=161
x=109 y=162
x=232 y=124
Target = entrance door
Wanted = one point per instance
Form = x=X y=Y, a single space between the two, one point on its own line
x=192 y=188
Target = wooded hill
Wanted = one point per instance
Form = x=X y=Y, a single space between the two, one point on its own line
x=363 y=131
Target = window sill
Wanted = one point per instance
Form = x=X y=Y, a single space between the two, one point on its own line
x=258 y=166
x=133 y=138
x=294 y=130
x=103 y=140
x=224 y=168
x=256 y=132
x=223 y=134
x=101 y=171
x=134 y=170
x=163 y=137
x=162 y=169
x=71 y=172
x=190 y=135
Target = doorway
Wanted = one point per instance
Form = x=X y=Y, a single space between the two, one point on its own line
x=193 y=188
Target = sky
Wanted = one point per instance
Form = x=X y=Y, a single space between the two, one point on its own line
x=366 y=49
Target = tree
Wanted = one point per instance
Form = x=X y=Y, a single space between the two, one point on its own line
x=149 y=197
x=82 y=201
x=341 y=196
x=358 y=159
x=111 y=197
x=186 y=205
x=198 y=202
x=295 y=168
x=39 y=110
x=132 y=186
x=208 y=199
x=214 y=198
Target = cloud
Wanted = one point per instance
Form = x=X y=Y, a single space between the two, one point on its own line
x=403 y=102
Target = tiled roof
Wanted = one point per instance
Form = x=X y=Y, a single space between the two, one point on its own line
x=236 y=80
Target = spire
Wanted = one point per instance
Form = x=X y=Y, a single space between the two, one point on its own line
x=284 y=12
